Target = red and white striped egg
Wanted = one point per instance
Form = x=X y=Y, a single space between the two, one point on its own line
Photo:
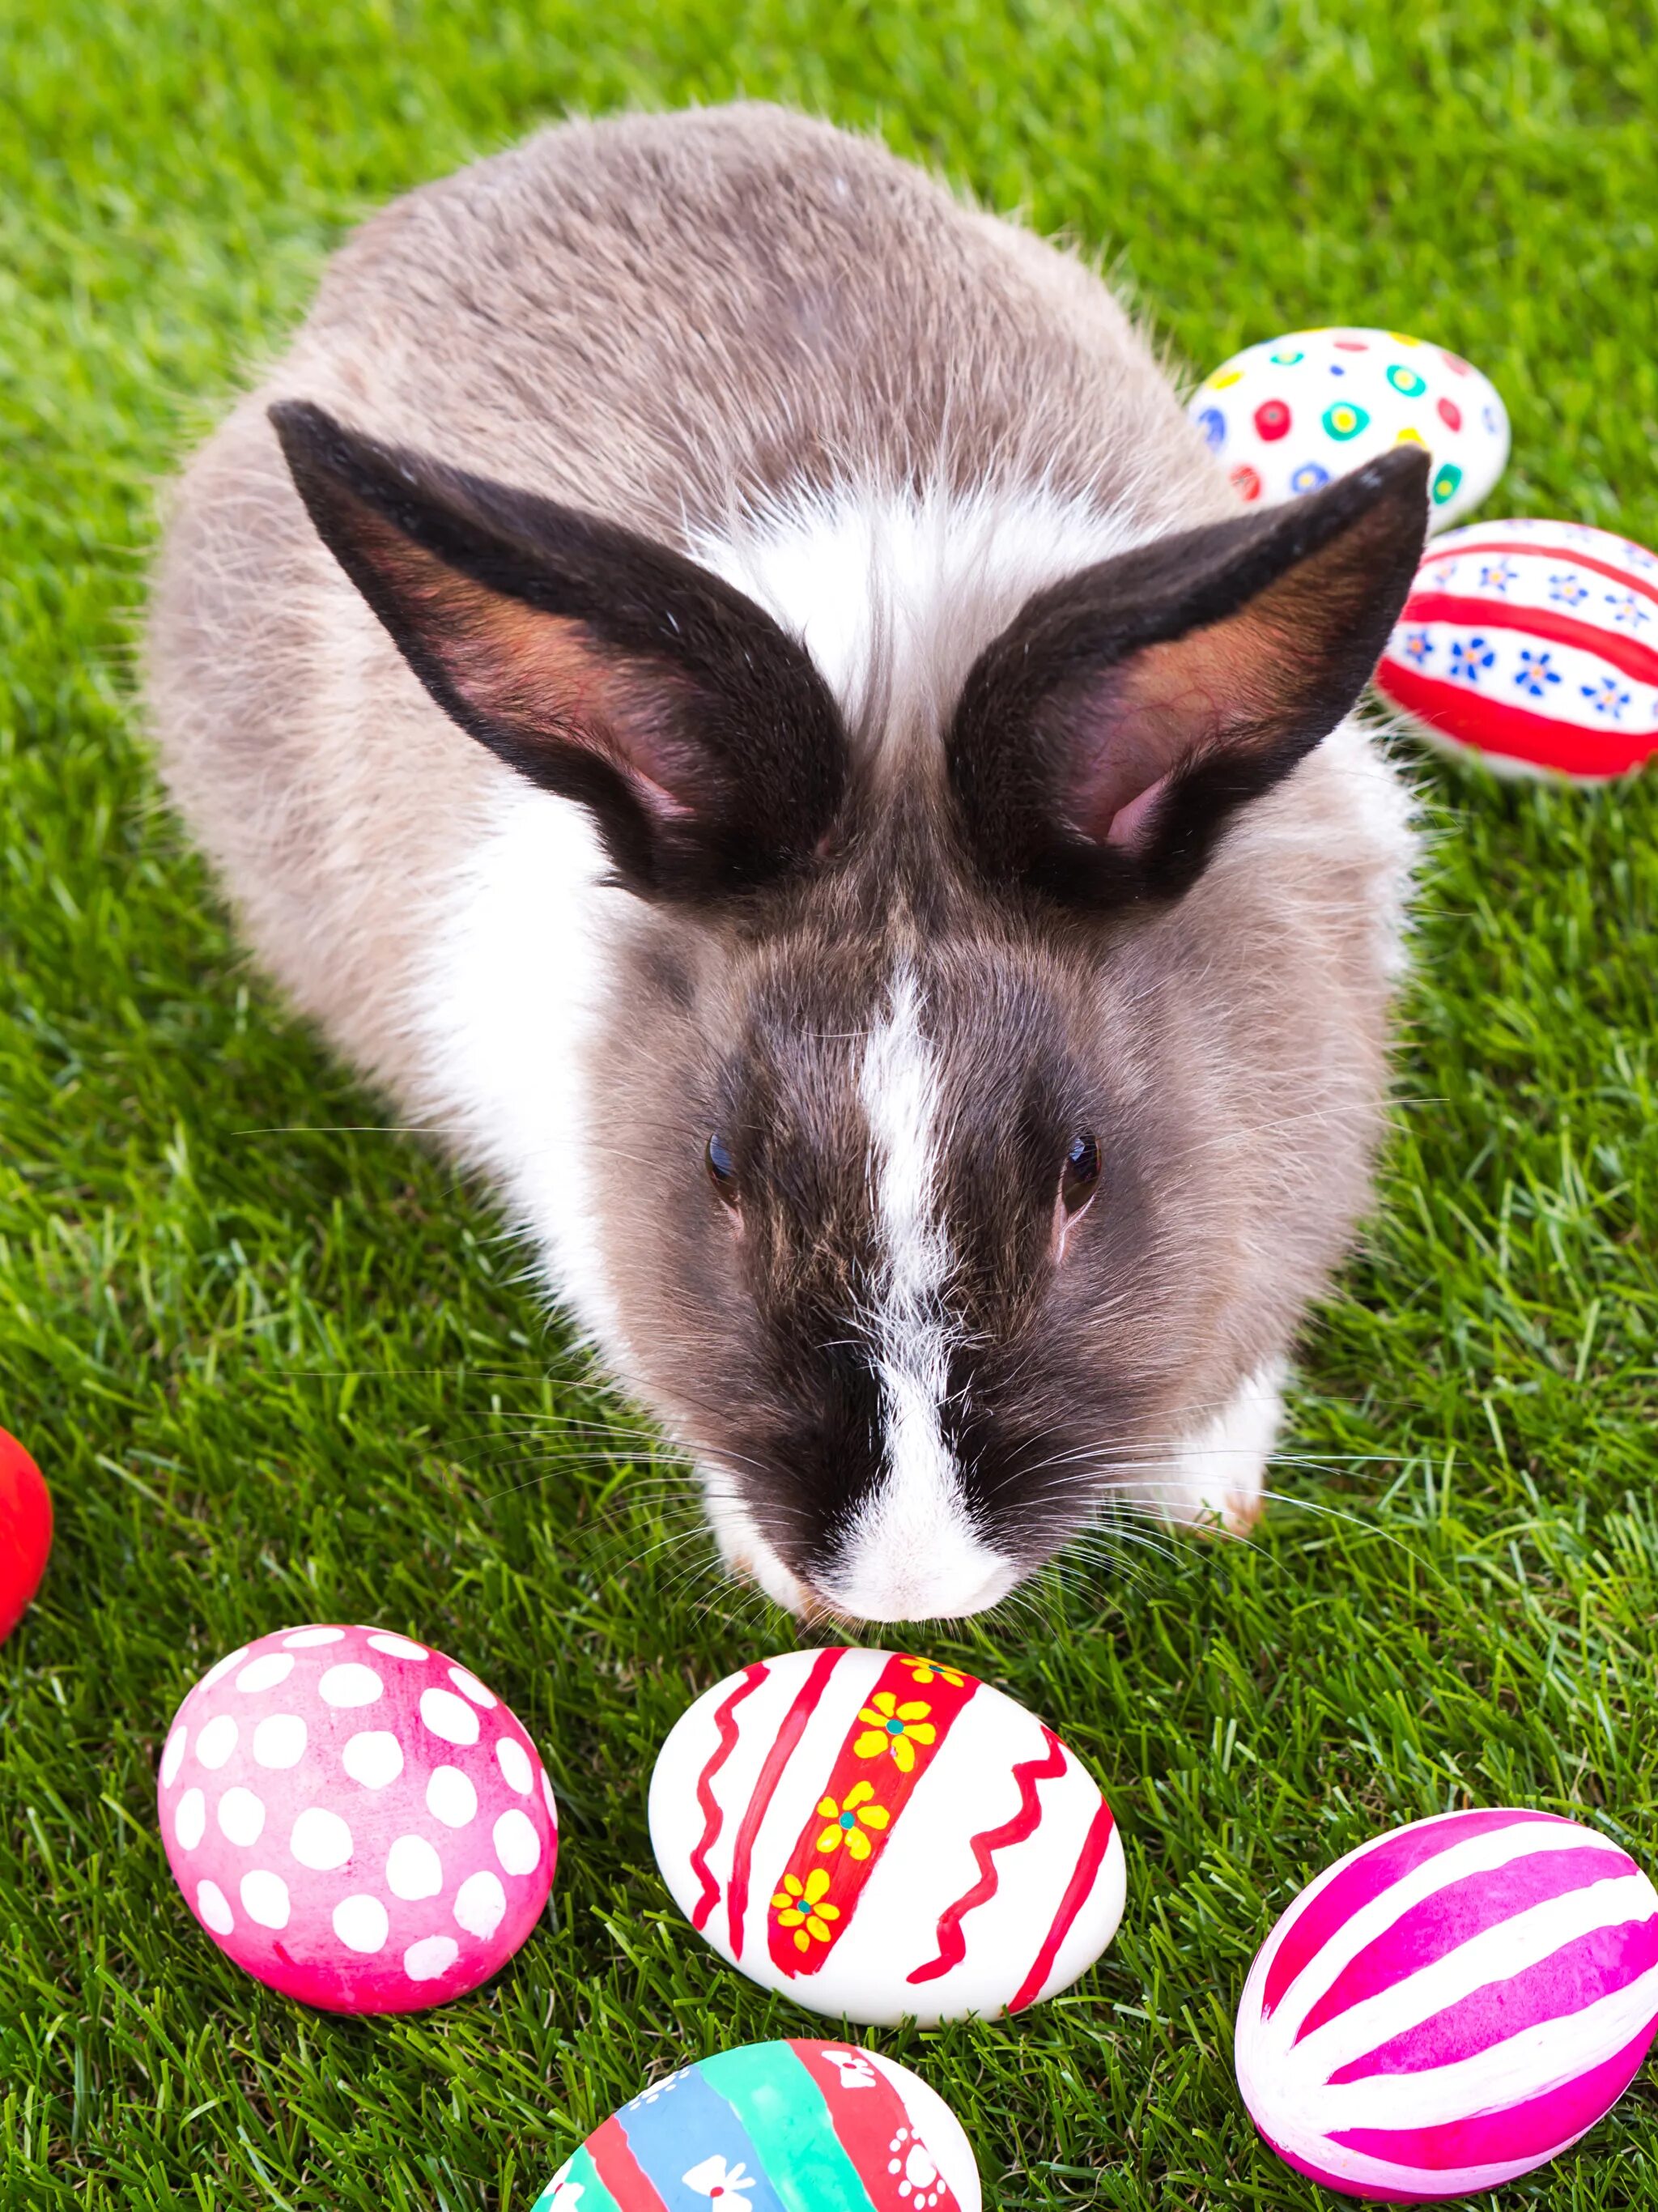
x=356 y=1819
x=1534 y=646
x=1450 y=2005
x=1285 y=416
x=884 y=1837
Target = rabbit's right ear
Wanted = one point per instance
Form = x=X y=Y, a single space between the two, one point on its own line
x=609 y=670
x=1104 y=742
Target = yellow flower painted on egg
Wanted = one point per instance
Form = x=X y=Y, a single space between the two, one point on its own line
x=800 y=1906
x=895 y=1728
x=849 y=1819
x=928 y=1670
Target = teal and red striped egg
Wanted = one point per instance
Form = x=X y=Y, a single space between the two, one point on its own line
x=882 y=1837
x=1533 y=646
x=775 y=2127
x=1284 y=417
x=1450 y=2005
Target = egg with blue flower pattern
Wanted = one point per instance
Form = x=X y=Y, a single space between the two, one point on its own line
x=1284 y=417
x=775 y=2127
x=1533 y=646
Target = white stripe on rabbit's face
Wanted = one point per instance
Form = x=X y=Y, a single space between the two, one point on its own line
x=912 y=1551
x=909 y=1546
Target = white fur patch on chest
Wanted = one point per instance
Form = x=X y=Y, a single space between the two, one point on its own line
x=895 y=595
x=509 y=1003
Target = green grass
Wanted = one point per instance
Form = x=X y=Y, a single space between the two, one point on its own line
x=276 y=1372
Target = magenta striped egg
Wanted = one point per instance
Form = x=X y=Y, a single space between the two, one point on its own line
x=1450 y=2005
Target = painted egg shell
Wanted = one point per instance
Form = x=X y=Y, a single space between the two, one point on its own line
x=1285 y=416
x=776 y=2127
x=1450 y=2005
x=1533 y=645
x=881 y=1837
x=356 y=1819
x=24 y=1531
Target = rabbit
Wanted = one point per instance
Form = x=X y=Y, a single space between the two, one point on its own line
x=721 y=677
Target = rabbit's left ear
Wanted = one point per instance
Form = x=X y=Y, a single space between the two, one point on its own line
x=599 y=665
x=1102 y=742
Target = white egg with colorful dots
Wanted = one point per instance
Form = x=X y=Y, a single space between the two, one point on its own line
x=1285 y=416
x=356 y=1819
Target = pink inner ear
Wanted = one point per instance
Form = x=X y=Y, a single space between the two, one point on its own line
x=1135 y=728
x=1130 y=823
x=547 y=677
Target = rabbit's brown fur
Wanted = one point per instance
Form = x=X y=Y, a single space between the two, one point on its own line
x=733 y=332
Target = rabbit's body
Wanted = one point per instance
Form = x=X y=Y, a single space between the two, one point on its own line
x=887 y=421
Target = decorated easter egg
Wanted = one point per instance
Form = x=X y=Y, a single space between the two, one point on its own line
x=882 y=1837
x=24 y=1531
x=1533 y=646
x=776 y=2127
x=356 y=1819
x=1450 y=2005
x=1286 y=415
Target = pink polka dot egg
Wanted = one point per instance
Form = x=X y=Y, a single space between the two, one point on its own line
x=356 y=1819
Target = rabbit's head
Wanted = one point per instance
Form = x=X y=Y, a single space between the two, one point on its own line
x=963 y=1129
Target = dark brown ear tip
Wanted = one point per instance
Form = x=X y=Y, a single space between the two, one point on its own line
x=313 y=444
x=305 y=435
x=326 y=458
x=1385 y=492
x=302 y=424
x=1400 y=469
x=317 y=446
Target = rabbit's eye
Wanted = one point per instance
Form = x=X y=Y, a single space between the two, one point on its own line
x=722 y=1169
x=1080 y=1176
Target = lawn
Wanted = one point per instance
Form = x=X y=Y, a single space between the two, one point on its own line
x=279 y=1366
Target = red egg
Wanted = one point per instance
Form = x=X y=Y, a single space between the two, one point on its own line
x=24 y=1531
x=1533 y=647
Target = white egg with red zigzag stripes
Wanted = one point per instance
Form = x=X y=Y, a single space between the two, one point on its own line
x=1450 y=2005
x=884 y=1837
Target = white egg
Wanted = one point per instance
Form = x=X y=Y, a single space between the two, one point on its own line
x=881 y=1836
x=1285 y=416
